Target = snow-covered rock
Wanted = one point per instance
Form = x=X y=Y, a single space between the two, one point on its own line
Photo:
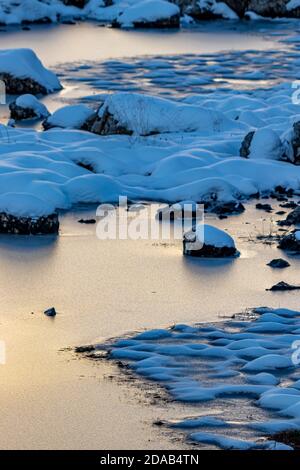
x=24 y=214
x=207 y=241
x=149 y=14
x=262 y=144
x=27 y=107
x=70 y=117
x=291 y=143
x=133 y=113
x=22 y=72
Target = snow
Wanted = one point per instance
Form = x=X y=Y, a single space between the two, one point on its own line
x=31 y=102
x=192 y=364
x=292 y=4
x=24 y=205
x=266 y=144
x=147 y=11
x=24 y=63
x=213 y=236
x=72 y=117
x=218 y=8
x=145 y=115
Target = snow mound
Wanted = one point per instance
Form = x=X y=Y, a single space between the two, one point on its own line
x=24 y=64
x=31 y=102
x=69 y=117
x=146 y=115
x=148 y=11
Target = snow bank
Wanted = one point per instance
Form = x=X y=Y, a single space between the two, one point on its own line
x=24 y=64
x=191 y=363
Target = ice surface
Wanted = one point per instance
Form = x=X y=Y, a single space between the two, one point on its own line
x=193 y=370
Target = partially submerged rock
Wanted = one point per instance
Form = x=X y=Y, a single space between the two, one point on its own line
x=50 y=312
x=264 y=207
x=291 y=242
x=292 y=219
x=44 y=225
x=283 y=286
x=279 y=263
x=228 y=208
x=27 y=107
x=206 y=241
x=87 y=221
x=22 y=72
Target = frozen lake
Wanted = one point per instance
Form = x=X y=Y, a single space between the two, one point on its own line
x=105 y=289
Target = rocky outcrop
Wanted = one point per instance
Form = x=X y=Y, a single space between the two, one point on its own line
x=10 y=224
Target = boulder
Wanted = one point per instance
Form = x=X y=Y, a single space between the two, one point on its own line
x=283 y=286
x=27 y=107
x=264 y=207
x=44 y=225
x=268 y=8
x=262 y=144
x=291 y=242
x=50 y=312
x=206 y=241
x=292 y=219
x=279 y=263
x=228 y=208
x=22 y=72
x=291 y=143
x=149 y=14
x=76 y=116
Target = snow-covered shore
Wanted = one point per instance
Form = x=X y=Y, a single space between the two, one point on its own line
x=142 y=13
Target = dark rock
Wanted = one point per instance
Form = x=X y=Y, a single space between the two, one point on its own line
x=264 y=207
x=246 y=145
x=279 y=263
x=290 y=242
x=84 y=349
x=21 y=86
x=20 y=114
x=171 y=22
x=206 y=250
x=105 y=125
x=10 y=224
x=50 y=312
x=75 y=3
x=294 y=217
x=268 y=8
x=228 y=208
x=87 y=221
x=289 y=205
x=280 y=212
x=283 y=286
